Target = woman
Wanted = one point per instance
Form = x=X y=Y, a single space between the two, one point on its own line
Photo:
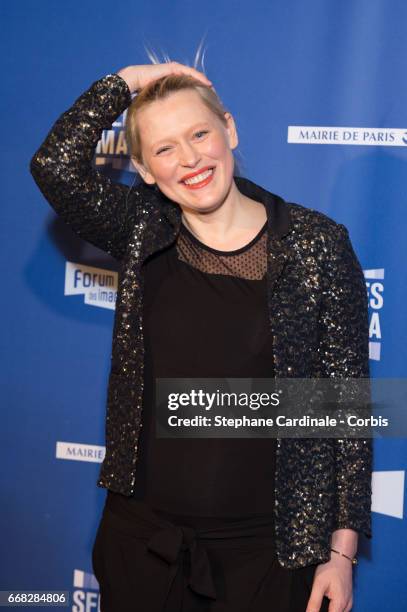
x=218 y=278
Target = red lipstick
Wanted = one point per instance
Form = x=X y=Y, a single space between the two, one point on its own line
x=188 y=176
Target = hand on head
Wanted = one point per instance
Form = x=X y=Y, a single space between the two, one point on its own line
x=139 y=76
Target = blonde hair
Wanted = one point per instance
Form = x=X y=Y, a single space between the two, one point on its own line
x=160 y=89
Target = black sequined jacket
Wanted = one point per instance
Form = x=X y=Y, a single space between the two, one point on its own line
x=317 y=307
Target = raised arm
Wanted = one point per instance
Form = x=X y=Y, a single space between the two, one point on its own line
x=95 y=207
x=98 y=209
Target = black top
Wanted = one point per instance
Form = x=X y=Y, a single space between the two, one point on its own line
x=205 y=315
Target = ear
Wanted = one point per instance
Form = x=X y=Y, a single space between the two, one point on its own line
x=142 y=170
x=231 y=130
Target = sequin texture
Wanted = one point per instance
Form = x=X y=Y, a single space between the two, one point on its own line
x=317 y=309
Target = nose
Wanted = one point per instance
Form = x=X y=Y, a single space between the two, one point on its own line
x=188 y=155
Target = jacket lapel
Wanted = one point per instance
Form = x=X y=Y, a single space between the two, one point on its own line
x=279 y=225
x=277 y=255
x=162 y=228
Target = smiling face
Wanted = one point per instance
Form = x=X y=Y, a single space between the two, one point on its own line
x=180 y=136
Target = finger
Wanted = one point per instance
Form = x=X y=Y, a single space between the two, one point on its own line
x=192 y=71
x=315 y=601
x=336 y=605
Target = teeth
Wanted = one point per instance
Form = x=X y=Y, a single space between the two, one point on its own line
x=198 y=178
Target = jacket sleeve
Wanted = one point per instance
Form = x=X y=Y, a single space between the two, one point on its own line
x=344 y=353
x=95 y=207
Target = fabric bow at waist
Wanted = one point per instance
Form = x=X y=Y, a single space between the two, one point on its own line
x=171 y=541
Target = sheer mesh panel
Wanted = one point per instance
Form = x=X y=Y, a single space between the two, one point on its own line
x=249 y=262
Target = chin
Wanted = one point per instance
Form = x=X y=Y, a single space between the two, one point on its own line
x=208 y=207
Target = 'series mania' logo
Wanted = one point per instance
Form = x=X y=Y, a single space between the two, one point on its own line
x=112 y=149
x=375 y=289
x=85 y=595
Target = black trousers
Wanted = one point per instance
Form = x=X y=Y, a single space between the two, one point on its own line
x=152 y=562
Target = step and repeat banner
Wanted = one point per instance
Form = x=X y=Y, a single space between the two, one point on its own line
x=318 y=93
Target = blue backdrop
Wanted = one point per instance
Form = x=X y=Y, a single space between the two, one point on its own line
x=318 y=92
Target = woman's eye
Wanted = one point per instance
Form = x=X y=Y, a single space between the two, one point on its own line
x=198 y=134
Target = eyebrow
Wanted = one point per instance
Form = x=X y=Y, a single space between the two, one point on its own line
x=201 y=123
